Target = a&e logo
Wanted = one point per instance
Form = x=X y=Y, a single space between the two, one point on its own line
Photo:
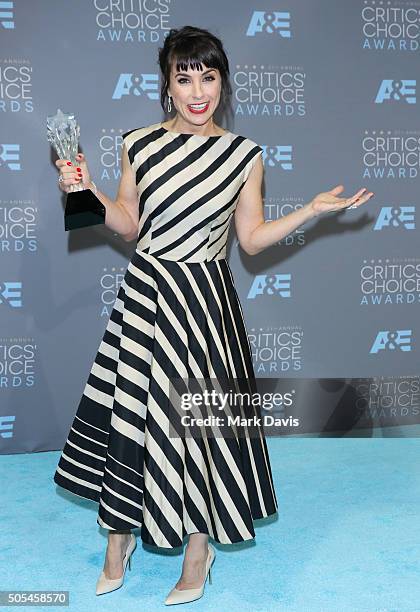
x=6 y=15
x=11 y=294
x=392 y=340
x=6 y=426
x=145 y=84
x=270 y=22
x=270 y=284
x=396 y=216
x=9 y=156
x=278 y=155
x=399 y=90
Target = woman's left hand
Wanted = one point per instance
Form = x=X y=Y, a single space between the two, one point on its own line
x=328 y=201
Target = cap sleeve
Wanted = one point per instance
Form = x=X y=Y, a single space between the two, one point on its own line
x=129 y=139
x=254 y=152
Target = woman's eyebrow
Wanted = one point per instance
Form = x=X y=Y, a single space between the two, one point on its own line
x=186 y=74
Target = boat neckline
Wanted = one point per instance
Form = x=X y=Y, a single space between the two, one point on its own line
x=196 y=135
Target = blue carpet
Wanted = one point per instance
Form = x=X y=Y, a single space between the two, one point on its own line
x=347 y=537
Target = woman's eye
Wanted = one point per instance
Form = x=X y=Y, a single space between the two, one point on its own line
x=183 y=80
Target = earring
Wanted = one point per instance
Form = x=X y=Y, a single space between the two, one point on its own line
x=169 y=104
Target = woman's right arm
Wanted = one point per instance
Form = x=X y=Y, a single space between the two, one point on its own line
x=121 y=214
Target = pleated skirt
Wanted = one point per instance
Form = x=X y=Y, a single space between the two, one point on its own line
x=170 y=319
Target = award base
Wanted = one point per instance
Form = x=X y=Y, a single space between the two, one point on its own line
x=82 y=210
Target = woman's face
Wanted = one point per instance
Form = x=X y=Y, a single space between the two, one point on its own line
x=195 y=93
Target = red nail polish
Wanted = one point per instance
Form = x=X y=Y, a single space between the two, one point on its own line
x=80 y=174
x=69 y=163
x=78 y=169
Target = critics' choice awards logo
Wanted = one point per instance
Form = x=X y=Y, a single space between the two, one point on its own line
x=390 y=154
x=392 y=340
x=388 y=396
x=10 y=156
x=271 y=285
x=270 y=22
x=11 y=294
x=17 y=362
x=143 y=84
x=391 y=217
x=18 y=224
x=110 y=148
x=7 y=15
x=110 y=282
x=390 y=281
x=276 y=349
x=403 y=90
x=16 y=86
x=390 y=26
x=274 y=208
x=269 y=91
x=130 y=21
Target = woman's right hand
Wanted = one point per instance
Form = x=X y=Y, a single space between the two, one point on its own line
x=72 y=175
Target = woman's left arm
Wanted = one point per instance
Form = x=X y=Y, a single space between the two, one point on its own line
x=255 y=234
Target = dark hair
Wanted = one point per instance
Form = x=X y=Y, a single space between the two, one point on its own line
x=193 y=46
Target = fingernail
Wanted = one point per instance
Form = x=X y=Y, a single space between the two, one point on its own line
x=69 y=163
x=78 y=169
x=80 y=174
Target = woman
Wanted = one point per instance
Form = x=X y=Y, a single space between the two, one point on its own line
x=177 y=314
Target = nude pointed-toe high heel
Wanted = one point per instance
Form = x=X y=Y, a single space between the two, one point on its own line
x=104 y=584
x=177 y=596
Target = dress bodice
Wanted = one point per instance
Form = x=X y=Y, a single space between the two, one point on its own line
x=188 y=187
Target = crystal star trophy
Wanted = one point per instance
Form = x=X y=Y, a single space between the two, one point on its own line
x=83 y=208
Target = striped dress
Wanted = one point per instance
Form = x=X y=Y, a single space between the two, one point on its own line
x=176 y=314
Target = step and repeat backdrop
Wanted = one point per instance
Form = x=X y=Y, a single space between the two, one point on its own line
x=328 y=90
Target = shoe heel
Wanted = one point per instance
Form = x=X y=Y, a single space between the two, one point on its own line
x=106 y=585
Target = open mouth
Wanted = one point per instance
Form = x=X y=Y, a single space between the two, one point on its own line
x=198 y=108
